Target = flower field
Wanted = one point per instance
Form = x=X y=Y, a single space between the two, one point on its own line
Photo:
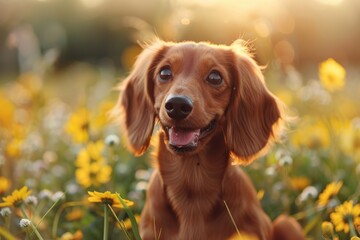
x=65 y=173
x=56 y=149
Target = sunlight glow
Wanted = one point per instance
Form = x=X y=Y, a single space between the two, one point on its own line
x=185 y=21
x=92 y=3
x=284 y=52
x=331 y=2
x=262 y=28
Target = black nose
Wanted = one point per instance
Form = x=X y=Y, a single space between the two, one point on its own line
x=178 y=106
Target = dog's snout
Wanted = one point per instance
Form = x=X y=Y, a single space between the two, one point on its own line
x=178 y=106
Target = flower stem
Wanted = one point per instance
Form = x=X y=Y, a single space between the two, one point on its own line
x=121 y=223
x=106 y=222
x=352 y=229
x=31 y=224
x=6 y=234
x=58 y=214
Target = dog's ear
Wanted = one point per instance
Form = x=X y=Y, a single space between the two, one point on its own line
x=253 y=114
x=135 y=105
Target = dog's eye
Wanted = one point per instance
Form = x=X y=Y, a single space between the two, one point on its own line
x=215 y=78
x=165 y=74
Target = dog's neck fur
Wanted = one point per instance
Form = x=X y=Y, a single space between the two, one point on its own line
x=193 y=183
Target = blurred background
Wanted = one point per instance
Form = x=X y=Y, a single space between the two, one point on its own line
x=106 y=31
x=60 y=61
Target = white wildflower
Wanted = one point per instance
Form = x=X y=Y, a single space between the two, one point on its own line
x=24 y=223
x=57 y=196
x=31 y=200
x=309 y=192
x=45 y=194
x=112 y=140
x=285 y=161
x=5 y=212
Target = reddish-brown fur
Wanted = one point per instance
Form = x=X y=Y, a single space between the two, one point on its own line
x=188 y=192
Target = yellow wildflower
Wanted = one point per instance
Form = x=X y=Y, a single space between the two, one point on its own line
x=299 y=183
x=84 y=123
x=344 y=215
x=78 y=235
x=93 y=175
x=4 y=185
x=78 y=126
x=13 y=147
x=330 y=191
x=92 y=153
x=127 y=222
x=355 y=238
x=101 y=117
x=7 y=112
x=243 y=236
x=350 y=139
x=92 y=167
x=108 y=198
x=327 y=229
x=312 y=133
x=332 y=75
x=16 y=198
x=260 y=194
x=74 y=215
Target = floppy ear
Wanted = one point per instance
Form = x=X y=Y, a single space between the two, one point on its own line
x=135 y=104
x=253 y=113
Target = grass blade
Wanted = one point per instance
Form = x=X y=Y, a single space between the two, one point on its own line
x=128 y=211
x=121 y=223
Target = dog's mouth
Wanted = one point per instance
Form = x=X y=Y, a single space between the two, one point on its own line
x=187 y=139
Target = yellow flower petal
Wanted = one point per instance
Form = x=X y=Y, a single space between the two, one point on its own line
x=327 y=229
x=17 y=197
x=329 y=192
x=341 y=215
x=108 y=198
x=332 y=75
x=78 y=126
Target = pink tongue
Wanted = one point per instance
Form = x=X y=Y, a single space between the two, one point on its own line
x=182 y=138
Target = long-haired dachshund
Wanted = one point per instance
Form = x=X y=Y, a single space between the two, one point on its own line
x=214 y=111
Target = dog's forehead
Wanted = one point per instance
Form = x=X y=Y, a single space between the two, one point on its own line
x=196 y=52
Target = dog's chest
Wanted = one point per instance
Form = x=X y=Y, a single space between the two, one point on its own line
x=193 y=191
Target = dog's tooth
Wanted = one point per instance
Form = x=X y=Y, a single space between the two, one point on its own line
x=196 y=140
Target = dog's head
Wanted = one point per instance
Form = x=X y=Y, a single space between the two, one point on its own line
x=196 y=90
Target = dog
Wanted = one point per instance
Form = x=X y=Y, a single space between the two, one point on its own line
x=213 y=110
